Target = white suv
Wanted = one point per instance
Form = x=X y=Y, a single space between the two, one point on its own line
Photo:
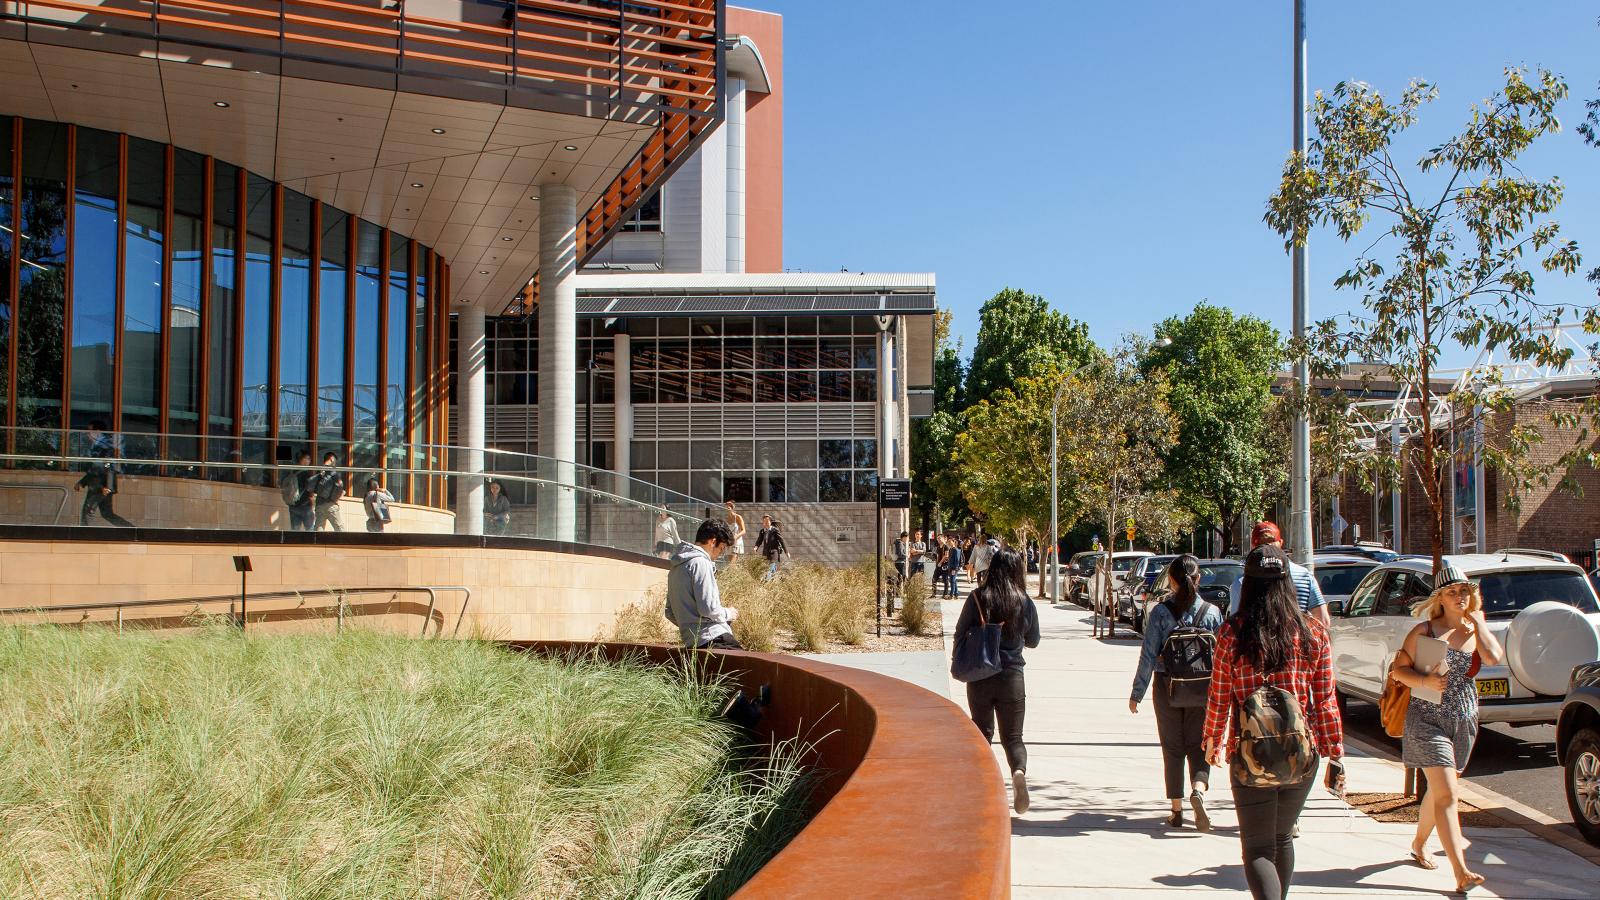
x=1122 y=562
x=1541 y=607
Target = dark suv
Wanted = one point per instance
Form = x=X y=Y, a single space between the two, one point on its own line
x=1578 y=749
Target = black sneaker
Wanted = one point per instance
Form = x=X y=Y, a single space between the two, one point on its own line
x=1197 y=802
x=1019 y=791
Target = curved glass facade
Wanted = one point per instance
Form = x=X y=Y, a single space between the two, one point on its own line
x=206 y=313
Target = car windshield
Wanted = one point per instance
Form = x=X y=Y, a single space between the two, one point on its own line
x=1507 y=593
x=1341 y=581
x=1223 y=574
x=1124 y=564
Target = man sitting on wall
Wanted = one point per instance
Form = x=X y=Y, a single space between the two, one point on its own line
x=694 y=600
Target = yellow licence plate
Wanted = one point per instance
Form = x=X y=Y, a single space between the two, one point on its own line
x=1494 y=688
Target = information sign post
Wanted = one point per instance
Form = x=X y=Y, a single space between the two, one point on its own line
x=893 y=493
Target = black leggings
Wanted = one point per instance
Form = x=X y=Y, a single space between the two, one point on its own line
x=1266 y=817
x=1005 y=697
x=1180 y=730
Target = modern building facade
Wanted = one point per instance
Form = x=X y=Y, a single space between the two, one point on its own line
x=234 y=231
x=715 y=373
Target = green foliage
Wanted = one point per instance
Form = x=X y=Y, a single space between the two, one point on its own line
x=933 y=439
x=1020 y=335
x=1458 y=240
x=1219 y=369
x=369 y=766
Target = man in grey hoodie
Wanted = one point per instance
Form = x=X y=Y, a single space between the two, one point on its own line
x=694 y=601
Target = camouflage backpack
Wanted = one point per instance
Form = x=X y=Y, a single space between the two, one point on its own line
x=1275 y=747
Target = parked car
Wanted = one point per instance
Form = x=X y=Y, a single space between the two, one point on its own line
x=1542 y=608
x=1370 y=550
x=1121 y=563
x=1137 y=581
x=1216 y=578
x=1337 y=577
x=1578 y=749
x=1079 y=567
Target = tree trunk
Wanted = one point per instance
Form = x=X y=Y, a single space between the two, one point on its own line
x=1429 y=473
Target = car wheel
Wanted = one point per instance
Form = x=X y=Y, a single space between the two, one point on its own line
x=1583 y=783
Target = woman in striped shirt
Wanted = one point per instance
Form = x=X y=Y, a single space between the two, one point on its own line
x=1271 y=642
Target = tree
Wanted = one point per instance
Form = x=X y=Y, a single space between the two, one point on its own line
x=1020 y=335
x=1463 y=233
x=1219 y=370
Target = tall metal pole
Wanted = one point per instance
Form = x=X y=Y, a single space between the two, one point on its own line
x=1055 y=530
x=1300 y=490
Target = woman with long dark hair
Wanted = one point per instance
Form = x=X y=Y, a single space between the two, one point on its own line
x=1271 y=657
x=1180 y=705
x=1004 y=601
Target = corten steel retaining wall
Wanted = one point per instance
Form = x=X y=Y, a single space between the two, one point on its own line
x=900 y=764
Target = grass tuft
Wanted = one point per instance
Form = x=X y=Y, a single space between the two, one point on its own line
x=368 y=765
x=914 y=606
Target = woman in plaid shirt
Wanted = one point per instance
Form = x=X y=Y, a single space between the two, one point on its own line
x=1269 y=641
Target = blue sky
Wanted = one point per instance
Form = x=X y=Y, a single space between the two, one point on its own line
x=1116 y=157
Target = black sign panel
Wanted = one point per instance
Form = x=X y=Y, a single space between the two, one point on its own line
x=894 y=493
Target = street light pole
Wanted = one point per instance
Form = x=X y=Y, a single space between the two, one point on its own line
x=1300 y=486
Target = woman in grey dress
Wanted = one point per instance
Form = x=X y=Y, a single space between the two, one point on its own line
x=1438 y=736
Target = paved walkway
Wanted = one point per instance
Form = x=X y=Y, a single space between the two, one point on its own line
x=1096 y=821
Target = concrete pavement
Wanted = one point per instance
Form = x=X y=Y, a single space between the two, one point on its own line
x=1096 y=826
x=1096 y=820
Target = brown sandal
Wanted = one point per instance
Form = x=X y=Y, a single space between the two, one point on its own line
x=1421 y=859
x=1472 y=880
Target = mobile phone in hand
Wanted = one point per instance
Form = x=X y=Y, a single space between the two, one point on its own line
x=1335 y=778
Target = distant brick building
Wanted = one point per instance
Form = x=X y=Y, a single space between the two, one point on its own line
x=1549 y=516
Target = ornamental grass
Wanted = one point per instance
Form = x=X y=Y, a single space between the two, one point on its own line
x=367 y=765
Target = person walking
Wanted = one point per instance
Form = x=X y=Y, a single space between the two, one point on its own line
x=1271 y=710
x=666 y=535
x=694 y=600
x=919 y=553
x=773 y=549
x=952 y=569
x=497 y=509
x=297 y=486
x=1312 y=603
x=99 y=481
x=329 y=487
x=376 y=503
x=1180 y=640
x=1439 y=736
x=982 y=556
x=737 y=522
x=1003 y=600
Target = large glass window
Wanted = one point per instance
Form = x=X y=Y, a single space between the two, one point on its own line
x=294 y=318
x=368 y=335
x=396 y=396
x=7 y=226
x=332 y=306
x=94 y=276
x=41 y=287
x=258 y=324
x=188 y=274
x=221 y=302
x=142 y=283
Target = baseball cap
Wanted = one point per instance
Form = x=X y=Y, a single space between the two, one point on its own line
x=1264 y=533
x=1266 y=561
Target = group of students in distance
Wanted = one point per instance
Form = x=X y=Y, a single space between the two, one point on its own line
x=1254 y=685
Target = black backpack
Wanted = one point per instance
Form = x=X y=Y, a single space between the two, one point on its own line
x=1186 y=658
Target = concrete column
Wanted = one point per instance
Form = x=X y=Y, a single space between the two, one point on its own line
x=471 y=366
x=622 y=406
x=733 y=124
x=902 y=413
x=886 y=416
x=558 y=356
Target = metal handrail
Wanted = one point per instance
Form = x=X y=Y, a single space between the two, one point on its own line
x=338 y=593
x=65 y=495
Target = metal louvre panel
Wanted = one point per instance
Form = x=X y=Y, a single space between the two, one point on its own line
x=644 y=421
x=802 y=419
x=781 y=304
x=770 y=419
x=866 y=419
x=739 y=420
x=672 y=421
x=592 y=307
x=511 y=424
x=836 y=420
x=908 y=302
x=644 y=305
